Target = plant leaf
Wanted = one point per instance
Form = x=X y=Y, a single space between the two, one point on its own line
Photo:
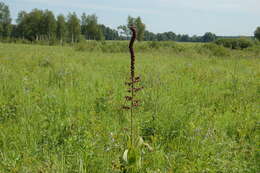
x=125 y=155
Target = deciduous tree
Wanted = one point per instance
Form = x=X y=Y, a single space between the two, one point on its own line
x=257 y=33
x=131 y=21
x=73 y=27
x=93 y=28
x=140 y=28
x=33 y=25
x=208 y=37
x=84 y=23
x=21 y=24
x=49 y=24
x=61 y=28
x=5 y=21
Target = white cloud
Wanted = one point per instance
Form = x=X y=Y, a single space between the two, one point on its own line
x=87 y=5
x=153 y=6
x=242 y=6
x=225 y=17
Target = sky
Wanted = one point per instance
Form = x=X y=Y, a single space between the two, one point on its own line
x=193 y=17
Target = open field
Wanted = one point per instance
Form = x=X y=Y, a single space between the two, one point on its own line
x=60 y=109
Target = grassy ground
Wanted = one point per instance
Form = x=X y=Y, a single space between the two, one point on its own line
x=60 y=110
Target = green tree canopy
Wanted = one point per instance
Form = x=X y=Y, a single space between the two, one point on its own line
x=257 y=33
x=124 y=31
x=131 y=21
x=49 y=24
x=140 y=28
x=208 y=37
x=31 y=23
x=92 y=28
x=109 y=34
x=73 y=27
x=84 y=23
x=5 y=20
x=61 y=28
x=21 y=25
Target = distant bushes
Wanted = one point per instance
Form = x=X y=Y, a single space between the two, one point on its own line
x=254 y=49
x=213 y=49
x=51 y=42
x=235 y=43
x=257 y=42
x=166 y=45
x=210 y=49
x=122 y=46
x=106 y=47
x=218 y=49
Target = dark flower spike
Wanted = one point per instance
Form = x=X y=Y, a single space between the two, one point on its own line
x=128 y=98
x=133 y=80
x=135 y=104
x=138 y=78
x=137 y=89
x=136 y=101
x=126 y=107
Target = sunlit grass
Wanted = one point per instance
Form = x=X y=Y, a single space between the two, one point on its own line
x=60 y=110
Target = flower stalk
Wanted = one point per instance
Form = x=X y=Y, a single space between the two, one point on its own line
x=133 y=80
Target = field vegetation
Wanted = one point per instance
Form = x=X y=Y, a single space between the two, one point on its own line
x=61 y=108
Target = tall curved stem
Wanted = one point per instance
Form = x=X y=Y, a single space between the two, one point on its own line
x=131 y=49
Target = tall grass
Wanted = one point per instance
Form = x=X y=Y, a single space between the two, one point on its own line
x=60 y=109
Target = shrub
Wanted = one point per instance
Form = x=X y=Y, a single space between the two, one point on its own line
x=154 y=45
x=254 y=49
x=214 y=50
x=88 y=46
x=235 y=43
x=257 y=33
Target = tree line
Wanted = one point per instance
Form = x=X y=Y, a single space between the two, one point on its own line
x=43 y=25
x=40 y=25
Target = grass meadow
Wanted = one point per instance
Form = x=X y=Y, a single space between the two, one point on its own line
x=60 y=108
